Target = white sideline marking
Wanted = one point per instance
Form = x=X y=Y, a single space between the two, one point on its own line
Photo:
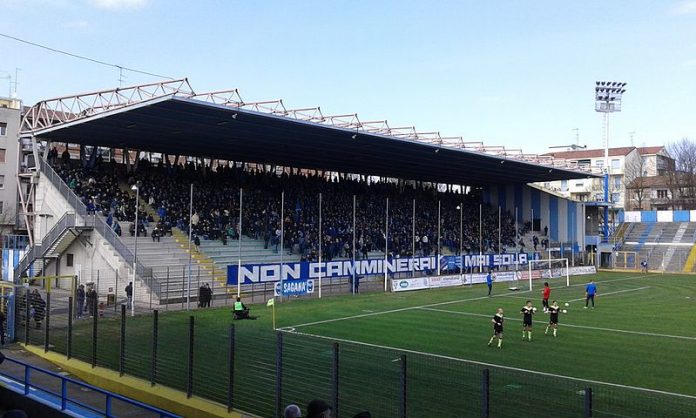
x=563 y=324
x=326 y=321
x=613 y=293
x=409 y=308
x=461 y=360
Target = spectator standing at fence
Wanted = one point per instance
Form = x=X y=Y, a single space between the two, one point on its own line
x=318 y=409
x=292 y=411
x=39 y=306
x=201 y=296
x=80 y=300
x=129 y=295
x=205 y=295
x=92 y=301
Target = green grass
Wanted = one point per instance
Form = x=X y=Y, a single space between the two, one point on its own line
x=612 y=344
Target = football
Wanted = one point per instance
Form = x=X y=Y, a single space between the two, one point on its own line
x=565 y=311
x=567 y=304
x=533 y=309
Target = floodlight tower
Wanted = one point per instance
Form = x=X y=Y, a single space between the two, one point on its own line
x=607 y=100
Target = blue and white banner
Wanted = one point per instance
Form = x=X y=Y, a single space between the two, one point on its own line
x=294 y=287
x=260 y=273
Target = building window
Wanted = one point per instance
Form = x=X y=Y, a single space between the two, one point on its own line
x=580 y=184
x=616 y=163
x=662 y=194
x=617 y=182
x=599 y=163
x=564 y=185
x=615 y=197
x=3 y=129
x=2 y=155
x=547 y=185
x=69 y=260
x=2 y=206
x=2 y=181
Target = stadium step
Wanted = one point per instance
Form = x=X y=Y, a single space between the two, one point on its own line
x=690 y=261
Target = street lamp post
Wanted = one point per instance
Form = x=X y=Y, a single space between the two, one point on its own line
x=135 y=246
x=607 y=100
x=461 y=243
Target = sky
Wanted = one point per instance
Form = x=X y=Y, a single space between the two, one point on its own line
x=520 y=74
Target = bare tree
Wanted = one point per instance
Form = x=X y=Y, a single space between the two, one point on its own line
x=681 y=177
x=636 y=183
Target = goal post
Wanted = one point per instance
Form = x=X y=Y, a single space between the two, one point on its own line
x=550 y=268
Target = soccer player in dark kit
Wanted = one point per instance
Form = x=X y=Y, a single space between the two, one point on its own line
x=527 y=311
x=497 y=328
x=553 y=320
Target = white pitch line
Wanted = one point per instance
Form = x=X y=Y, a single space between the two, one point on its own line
x=326 y=321
x=563 y=324
x=480 y=363
x=409 y=308
x=613 y=293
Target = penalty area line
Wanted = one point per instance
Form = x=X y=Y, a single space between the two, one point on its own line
x=364 y=315
x=613 y=293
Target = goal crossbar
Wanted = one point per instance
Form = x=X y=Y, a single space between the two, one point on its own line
x=551 y=267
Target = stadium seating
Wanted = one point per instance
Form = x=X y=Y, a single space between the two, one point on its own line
x=106 y=188
x=665 y=245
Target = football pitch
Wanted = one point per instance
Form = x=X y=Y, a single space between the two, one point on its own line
x=640 y=335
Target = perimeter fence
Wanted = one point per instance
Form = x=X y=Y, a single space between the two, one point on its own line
x=205 y=353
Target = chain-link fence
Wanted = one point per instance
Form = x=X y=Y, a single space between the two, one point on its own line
x=259 y=371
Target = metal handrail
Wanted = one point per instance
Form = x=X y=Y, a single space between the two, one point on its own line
x=38 y=250
x=65 y=399
x=100 y=224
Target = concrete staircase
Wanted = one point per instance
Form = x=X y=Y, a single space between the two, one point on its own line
x=169 y=261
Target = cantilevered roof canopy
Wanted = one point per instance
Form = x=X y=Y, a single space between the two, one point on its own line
x=188 y=124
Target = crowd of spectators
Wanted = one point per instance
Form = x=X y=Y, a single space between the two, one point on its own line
x=165 y=188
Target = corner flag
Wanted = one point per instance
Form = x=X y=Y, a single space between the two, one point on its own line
x=271 y=302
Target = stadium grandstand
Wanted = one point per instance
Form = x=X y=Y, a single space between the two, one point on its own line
x=89 y=154
x=155 y=198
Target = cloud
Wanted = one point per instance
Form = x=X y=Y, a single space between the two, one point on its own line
x=691 y=63
x=685 y=7
x=119 y=4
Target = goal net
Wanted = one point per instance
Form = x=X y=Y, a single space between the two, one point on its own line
x=554 y=270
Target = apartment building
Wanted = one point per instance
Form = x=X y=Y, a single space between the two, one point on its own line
x=10 y=118
x=624 y=166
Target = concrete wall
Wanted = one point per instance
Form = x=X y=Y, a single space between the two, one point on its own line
x=660 y=216
x=90 y=252
x=563 y=217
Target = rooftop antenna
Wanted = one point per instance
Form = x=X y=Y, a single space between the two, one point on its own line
x=631 y=134
x=577 y=136
x=121 y=77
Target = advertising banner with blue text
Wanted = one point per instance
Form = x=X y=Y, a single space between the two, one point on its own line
x=260 y=273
